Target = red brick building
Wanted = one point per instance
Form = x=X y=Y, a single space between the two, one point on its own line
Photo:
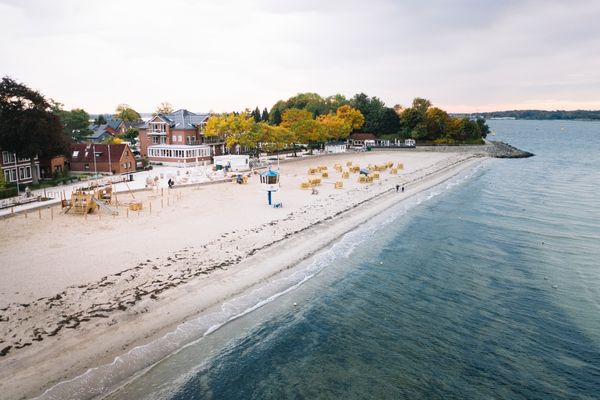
x=178 y=139
x=102 y=158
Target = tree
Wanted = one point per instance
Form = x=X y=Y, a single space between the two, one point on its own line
x=378 y=118
x=335 y=127
x=163 y=108
x=28 y=127
x=100 y=120
x=265 y=115
x=76 y=124
x=113 y=140
x=303 y=126
x=2 y=179
x=256 y=115
x=126 y=113
x=131 y=135
x=351 y=115
x=275 y=117
x=436 y=121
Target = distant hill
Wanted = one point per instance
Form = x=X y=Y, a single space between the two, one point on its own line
x=540 y=114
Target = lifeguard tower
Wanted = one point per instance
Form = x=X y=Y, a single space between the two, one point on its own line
x=270 y=182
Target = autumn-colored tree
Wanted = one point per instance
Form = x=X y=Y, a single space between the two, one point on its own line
x=351 y=115
x=164 y=108
x=113 y=140
x=126 y=113
x=237 y=129
x=335 y=127
x=299 y=123
x=436 y=121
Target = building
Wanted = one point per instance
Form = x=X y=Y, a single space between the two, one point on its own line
x=17 y=169
x=361 y=140
x=178 y=139
x=100 y=133
x=233 y=162
x=335 y=147
x=53 y=167
x=101 y=158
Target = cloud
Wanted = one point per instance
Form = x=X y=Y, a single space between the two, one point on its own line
x=234 y=54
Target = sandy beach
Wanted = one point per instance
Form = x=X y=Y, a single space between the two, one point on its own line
x=77 y=291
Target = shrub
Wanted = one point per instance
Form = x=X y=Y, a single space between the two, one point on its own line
x=8 y=192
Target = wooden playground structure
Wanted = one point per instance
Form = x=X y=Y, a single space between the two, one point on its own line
x=88 y=200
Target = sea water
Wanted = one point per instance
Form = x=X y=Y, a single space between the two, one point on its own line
x=487 y=286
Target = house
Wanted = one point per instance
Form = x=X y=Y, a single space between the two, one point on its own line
x=17 y=169
x=361 y=140
x=177 y=139
x=234 y=162
x=336 y=147
x=100 y=133
x=101 y=158
x=53 y=167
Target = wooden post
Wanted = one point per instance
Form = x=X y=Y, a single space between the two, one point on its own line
x=12 y=210
x=25 y=214
x=168 y=203
x=127 y=211
x=150 y=206
x=162 y=192
x=51 y=213
x=39 y=213
x=162 y=203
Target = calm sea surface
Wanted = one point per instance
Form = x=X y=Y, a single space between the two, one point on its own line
x=487 y=287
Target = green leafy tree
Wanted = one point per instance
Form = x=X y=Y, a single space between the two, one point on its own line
x=265 y=115
x=436 y=121
x=28 y=125
x=100 y=120
x=378 y=118
x=126 y=113
x=275 y=116
x=131 y=135
x=256 y=115
x=2 y=179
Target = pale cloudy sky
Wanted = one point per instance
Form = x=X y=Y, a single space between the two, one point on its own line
x=464 y=55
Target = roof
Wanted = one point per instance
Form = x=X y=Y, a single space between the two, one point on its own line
x=270 y=172
x=84 y=152
x=362 y=136
x=98 y=131
x=182 y=119
x=114 y=123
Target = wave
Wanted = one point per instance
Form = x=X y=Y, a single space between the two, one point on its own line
x=106 y=379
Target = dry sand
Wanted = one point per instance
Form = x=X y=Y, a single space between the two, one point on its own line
x=76 y=292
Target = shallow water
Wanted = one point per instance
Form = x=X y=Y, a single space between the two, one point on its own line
x=485 y=287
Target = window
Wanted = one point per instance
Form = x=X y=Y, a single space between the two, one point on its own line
x=8 y=158
x=75 y=153
x=7 y=175
x=190 y=139
x=13 y=175
x=86 y=166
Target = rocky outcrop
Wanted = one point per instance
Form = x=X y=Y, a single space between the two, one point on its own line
x=503 y=150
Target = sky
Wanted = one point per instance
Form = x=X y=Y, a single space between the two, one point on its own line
x=227 y=55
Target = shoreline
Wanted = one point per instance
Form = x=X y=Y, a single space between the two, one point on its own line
x=282 y=244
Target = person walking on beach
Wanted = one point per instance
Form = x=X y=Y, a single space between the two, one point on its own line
x=170 y=183
x=397 y=188
x=402 y=189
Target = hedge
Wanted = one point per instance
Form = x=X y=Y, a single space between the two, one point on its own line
x=8 y=192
